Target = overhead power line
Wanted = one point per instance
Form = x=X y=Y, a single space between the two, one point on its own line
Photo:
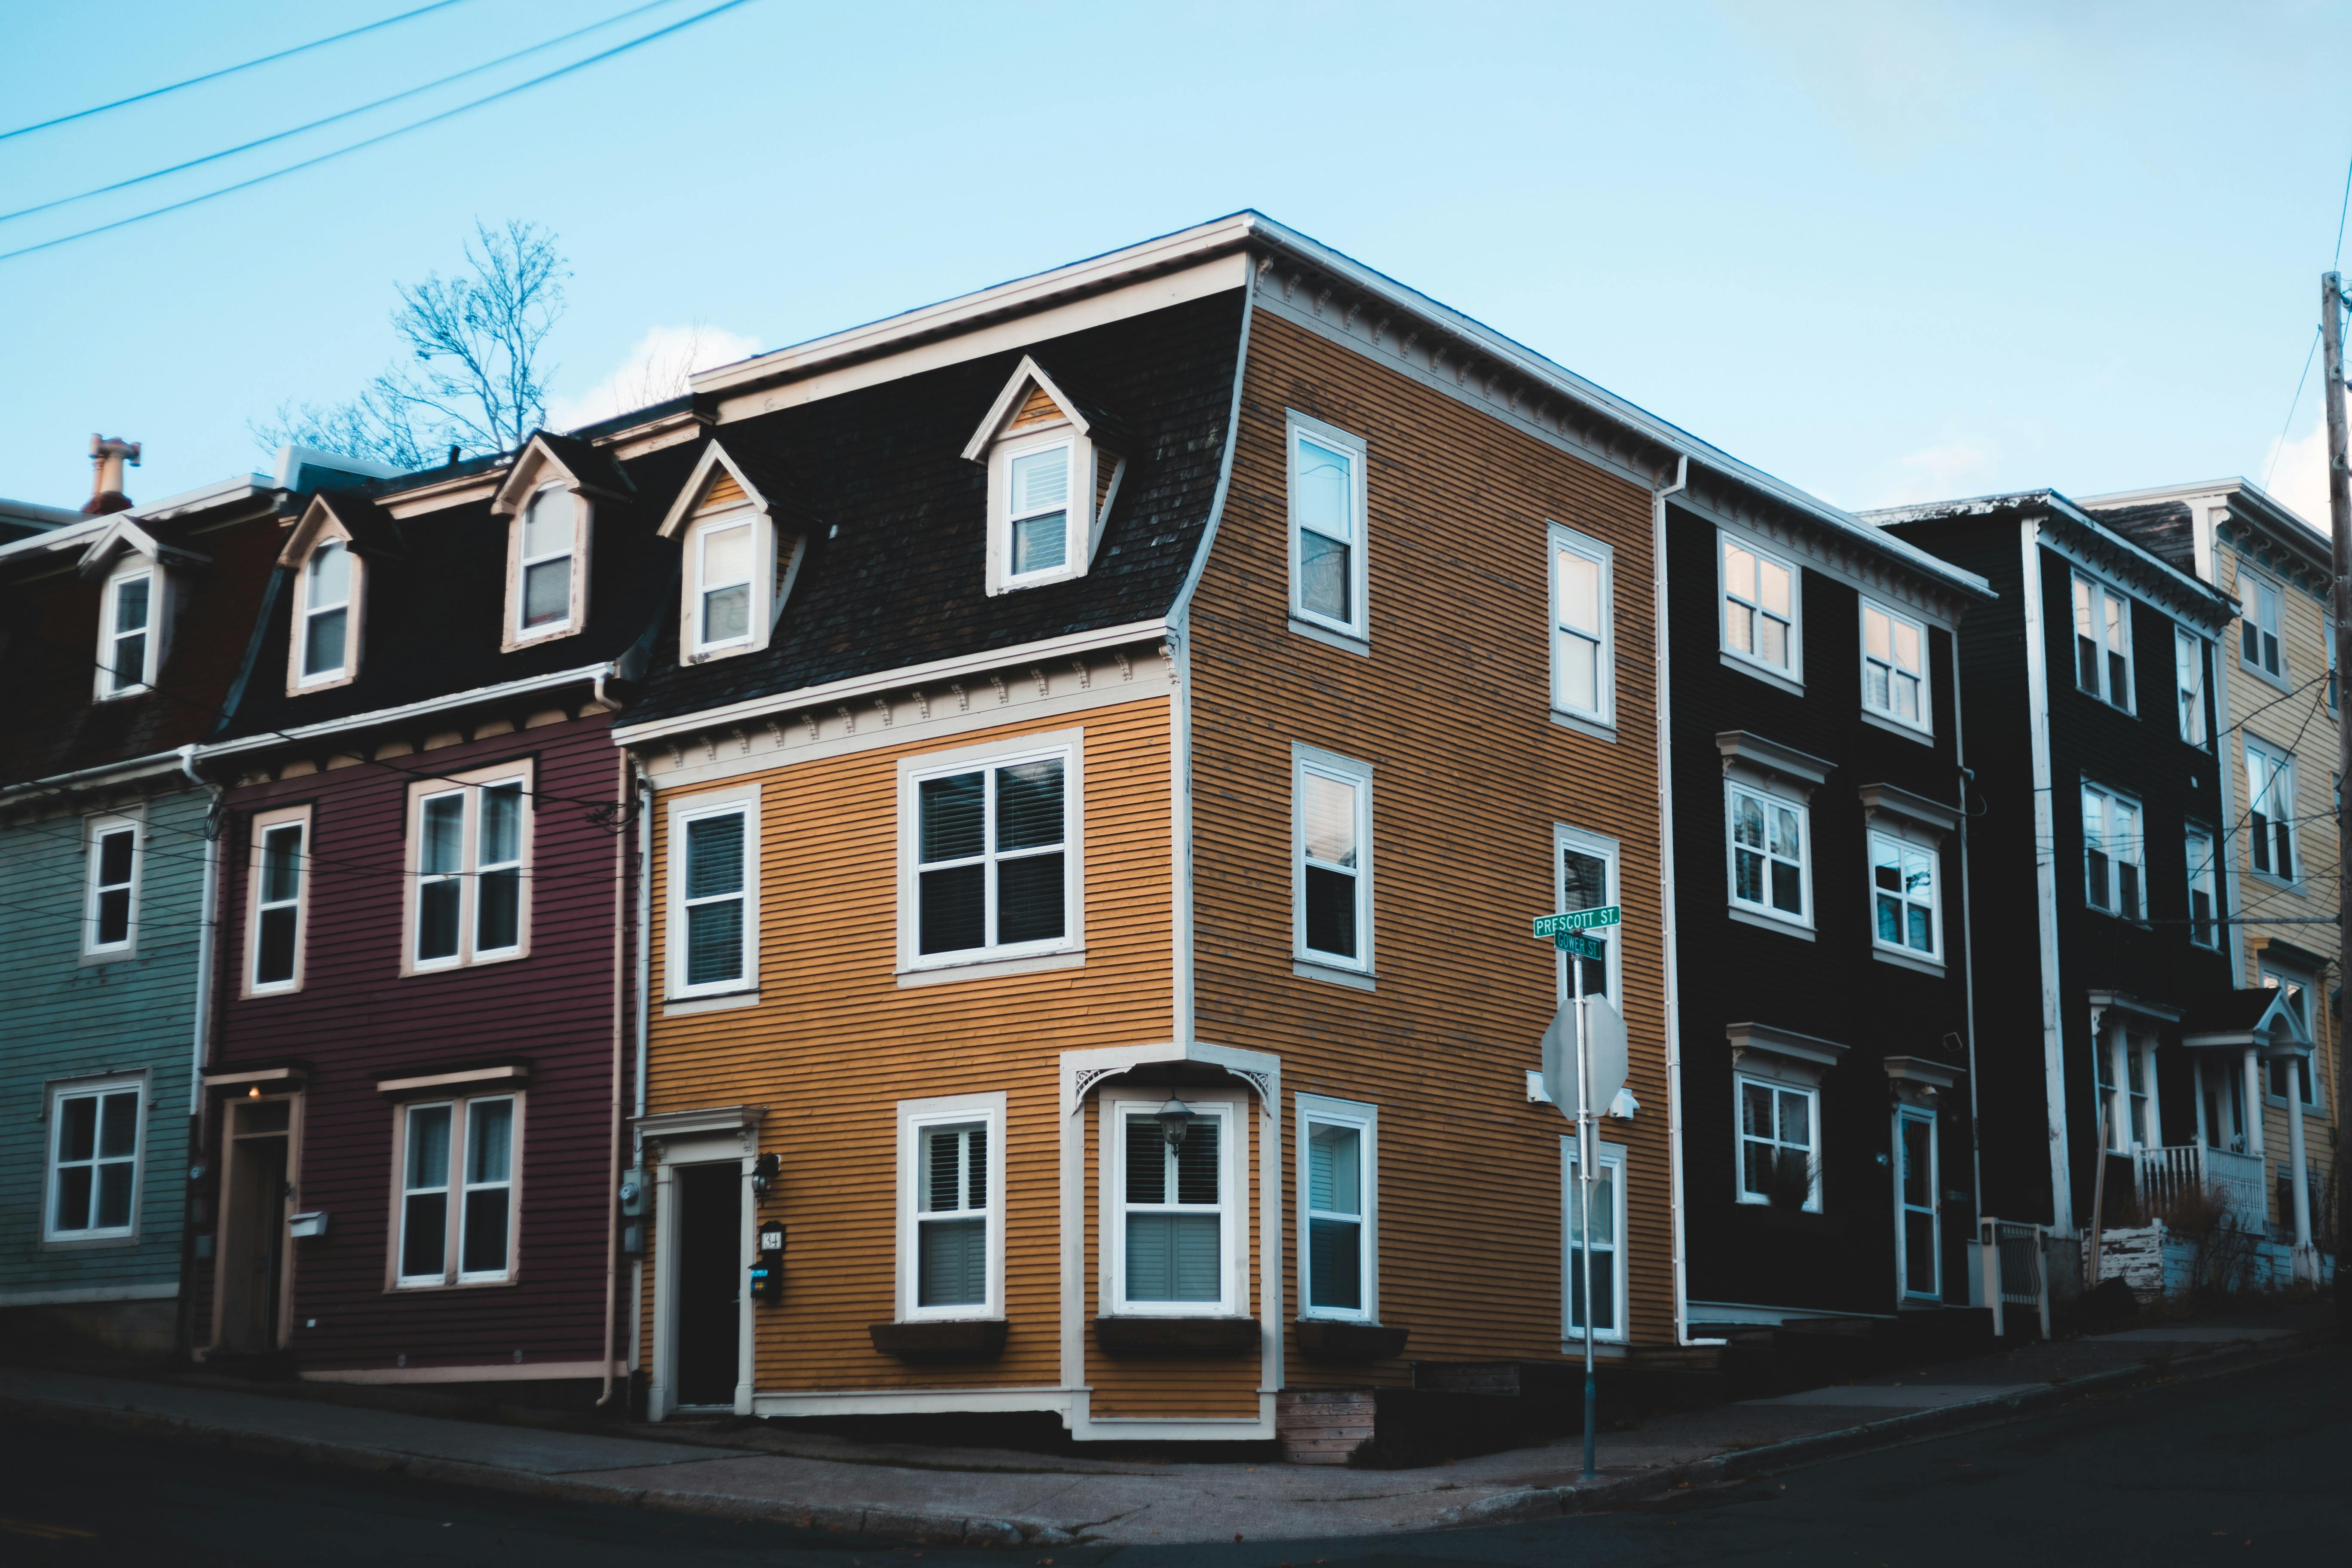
x=483 y=101
x=227 y=70
x=332 y=119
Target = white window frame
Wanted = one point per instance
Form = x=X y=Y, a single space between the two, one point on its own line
x=915 y=1117
x=1299 y=428
x=108 y=686
x=1077 y=498
x=770 y=581
x=1607 y=850
x=470 y=787
x=745 y=800
x=1561 y=541
x=300 y=679
x=1740 y=1079
x=453 y=1275
x=1610 y=1158
x=2110 y=799
x=2206 y=878
x=95 y=831
x=2189 y=696
x=2280 y=765
x=1791 y=675
x=519 y=565
x=2252 y=588
x=1306 y=759
x=2311 y=1073
x=1734 y=787
x=53 y=1169
x=1883 y=829
x=1233 y=1208
x=1066 y=746
x=1364 y=1120
x=1925 y=725
x=2100 y=598
x=263 y=822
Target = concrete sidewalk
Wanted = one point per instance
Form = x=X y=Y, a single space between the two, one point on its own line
x=908 y=1492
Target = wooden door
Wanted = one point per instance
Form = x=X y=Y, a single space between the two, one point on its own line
x=711 y=1280
x=253 y=1244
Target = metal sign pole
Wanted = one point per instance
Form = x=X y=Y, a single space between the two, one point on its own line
x=1584 y=1190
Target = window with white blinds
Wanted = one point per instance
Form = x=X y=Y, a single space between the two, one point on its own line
x=714 y=882
x=1338 y=1198
x=1173 y=1209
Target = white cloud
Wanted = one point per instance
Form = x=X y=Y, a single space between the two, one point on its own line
x=655 y=369
x=1945 y=472
x=2297 y=473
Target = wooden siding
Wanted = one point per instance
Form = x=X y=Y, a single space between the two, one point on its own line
x=358 y=1019
x=1451 y=708
x=723 y=490
x=835 y=1042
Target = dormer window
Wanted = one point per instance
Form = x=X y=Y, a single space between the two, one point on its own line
x=723 y=559
x=544 y=561
x=1053 y=476
x=326 y=622
x=743 y=534
x=127 y=639
x=549 y=502
x=325 y=634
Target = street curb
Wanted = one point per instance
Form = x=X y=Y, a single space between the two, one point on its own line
x=1550 y=1502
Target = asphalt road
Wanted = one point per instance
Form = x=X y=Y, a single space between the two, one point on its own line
x=2192 y=1472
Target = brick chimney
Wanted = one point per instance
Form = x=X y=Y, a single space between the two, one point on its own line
x=108 y=455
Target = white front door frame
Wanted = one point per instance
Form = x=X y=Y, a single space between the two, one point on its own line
x=1903 y=1208
x=695 y=1141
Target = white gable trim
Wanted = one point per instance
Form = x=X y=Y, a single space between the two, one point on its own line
x=1008 y=403
x=689 y=495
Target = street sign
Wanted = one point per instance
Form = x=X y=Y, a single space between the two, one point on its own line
x=1579 y=946
x=1579 y=920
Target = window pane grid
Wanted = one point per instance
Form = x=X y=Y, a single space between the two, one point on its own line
x=278 y=911
x=951 y=1216
x=2189 y=684
x=1173 y=1213
x=1599 y=1252
x=1759 y=604
x=1767 y=853
x=713 y=889
x=94 y=1159
x=546 y=559
x=1903 y=894
x=1335 y=1216
x=1038 y=509
x=129 y=608
x=1893 y=665
x=725 y=585
x=990 y=858
x=113 y=871
x=1580 y=675
x=2270 y=813
x=1323 y=507
x=1776 y=1145
x=326 y=616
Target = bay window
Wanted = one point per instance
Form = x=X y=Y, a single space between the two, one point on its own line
x=1175 y=1221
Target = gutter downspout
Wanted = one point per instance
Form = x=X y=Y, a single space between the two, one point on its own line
x=620 y=1039
x=2045 y=877
x=644 y=807
x=207 y=924
x=1968 y=946
x=1666 y=710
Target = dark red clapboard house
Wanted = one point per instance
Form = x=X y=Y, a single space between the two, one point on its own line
x=422 y=1048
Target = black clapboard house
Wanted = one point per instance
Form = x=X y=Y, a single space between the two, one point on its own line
x=1820 y=989
x=2105 y=999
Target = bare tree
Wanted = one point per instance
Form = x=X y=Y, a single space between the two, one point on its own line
x=474 y=378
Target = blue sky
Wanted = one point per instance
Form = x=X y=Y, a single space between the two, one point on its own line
x=1889 y=254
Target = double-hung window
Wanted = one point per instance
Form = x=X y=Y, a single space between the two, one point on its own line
x=459 y=1167
x=472 y=838
x=1037 y=512
x=1331 y=860
x=1175 y=1219
x=2261 y=606
x=990 y=862
x=714 y=894
x=128 y=644
x=736 y=566
x=279 y=899
x=2102 y=643
x=1769 y=851
x=1586 y=866
x=1583 y=674
x=111 y=916
x=2189 y=683
x=1760 y=608
x=2270 y=811
x=1337 y=1250
x=323 y=615
x=1894 y=667
x=723 y=557
x=1328 y=569
x=1602 y=1253
x=2204 y=929
x=1904 y=908
x=546 y=551
x=1778 y=1160
x=2113 y=854
x=93 y=1161
x=952 y=1208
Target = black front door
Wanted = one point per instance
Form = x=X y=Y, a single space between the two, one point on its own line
x=711 y=1266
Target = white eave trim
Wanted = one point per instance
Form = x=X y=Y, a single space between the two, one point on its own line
x=86 y=778
x=516 y=1075
x=1886 y=798
x=687 y=1123
x=300 y=732
x=1919 y=1069
x=889 y=680
x=1784 y=1043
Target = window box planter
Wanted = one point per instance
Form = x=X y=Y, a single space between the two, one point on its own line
x=1348 y=1343
x=1175 y=1336
x=964 y=1339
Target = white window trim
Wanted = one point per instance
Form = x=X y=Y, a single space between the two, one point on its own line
x=954 y=1109
x=471 y=783
x=157 y=597
x=1768 y=791
x=1295 y=426
x=1558 y=539
x=355 y=617
x=2282 y=766
x=1936 y=1199
x=263 y=821
x=742 y=798
x=1794 y=677
x=2248 y=600
x=1789 y=1084
x=93 y=829
x=1304 y=759
x=2186 y=641
x=1607 y=850
x=452 y=1277
x=771 y=581
x=2114 y=874
x=1069 y=747
x=2128 y=701
x=1888 y=827
x=1314 y=1110
x=2191 y=832
x=575 y=618
x=54 y=1127
x=2279 y=975
x=1610 y=1157
x=1082 y=520
x=1925 y=725
x=1233 y=1208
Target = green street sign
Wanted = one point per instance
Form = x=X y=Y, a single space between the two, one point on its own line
x=1579 y=946
x=1579 y=920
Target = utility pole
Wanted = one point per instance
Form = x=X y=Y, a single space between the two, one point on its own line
x=2339 y=534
